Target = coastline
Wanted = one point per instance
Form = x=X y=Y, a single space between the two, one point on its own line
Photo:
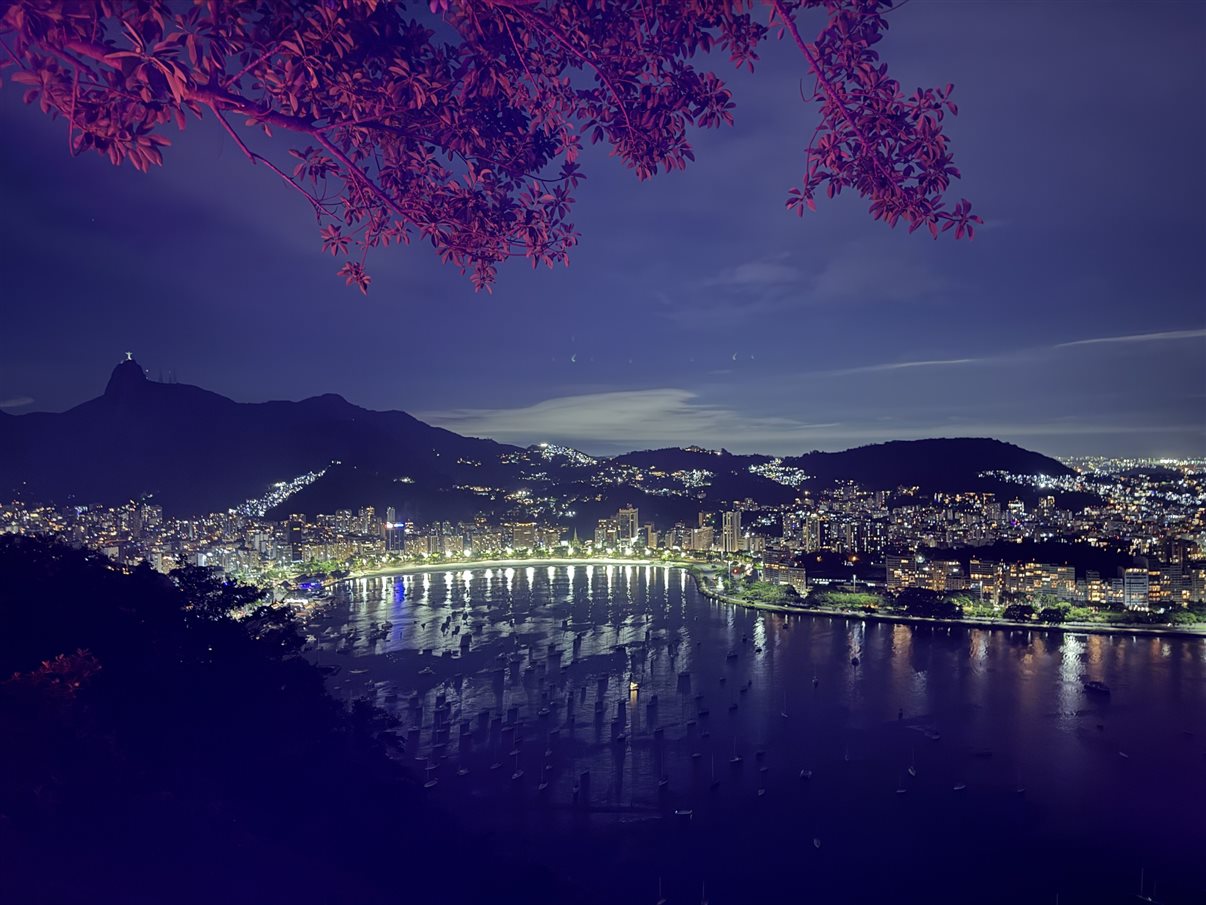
x=1075 y=628
x=697 y=572
x=419 y=568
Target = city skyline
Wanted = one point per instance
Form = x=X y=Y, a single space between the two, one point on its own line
x=695 y=310
x=604 y=443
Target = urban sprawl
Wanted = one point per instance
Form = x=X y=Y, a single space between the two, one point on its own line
x=1151 y=513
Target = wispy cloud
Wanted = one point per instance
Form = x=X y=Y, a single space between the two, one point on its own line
x=624 y=419
x=1027 y=354
x=756 y=274
x=16 y=402
x=854 y=274
x=859 y=274
x=1164 y=336
x=901 y=365
x=633 y=419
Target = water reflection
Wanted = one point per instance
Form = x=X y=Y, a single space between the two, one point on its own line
x=608 y=693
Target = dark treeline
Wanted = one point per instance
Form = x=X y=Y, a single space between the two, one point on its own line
x=154 y=749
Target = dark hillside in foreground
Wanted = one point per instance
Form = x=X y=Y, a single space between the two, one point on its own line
x=158 y=752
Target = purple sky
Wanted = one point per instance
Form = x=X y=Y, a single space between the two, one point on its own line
x=695 y=310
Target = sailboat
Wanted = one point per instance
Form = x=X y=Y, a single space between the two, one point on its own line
x=661 y=899
x=736 y=759
x=544 y=783
x=783 y=713
x=1142 y=895
x=518 y=774
x=913 y=765
x=900 y=787
x=715 y=781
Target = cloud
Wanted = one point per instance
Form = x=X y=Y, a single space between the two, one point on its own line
x=759 y=273
x=1165 y=336
x=624 y=419
x=16 y=402
x=1026 y=354
x=766 y=286
x=861 y=274
x=634 y=419
x=900 y=366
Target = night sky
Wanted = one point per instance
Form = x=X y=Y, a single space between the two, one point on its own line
x=696 y=310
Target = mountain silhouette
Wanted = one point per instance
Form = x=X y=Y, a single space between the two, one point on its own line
x=194 y=451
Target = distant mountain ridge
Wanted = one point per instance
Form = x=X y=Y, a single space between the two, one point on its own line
x=195 y=451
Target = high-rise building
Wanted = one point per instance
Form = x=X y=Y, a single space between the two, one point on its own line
x=812 y=533
x=731 y=532
x=523 y=535
x=1135 y=588
x=607 y=533
x=629 y=521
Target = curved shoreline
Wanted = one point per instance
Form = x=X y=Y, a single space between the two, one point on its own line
x=1075 y=628
x=694 y=568
x=510 y=564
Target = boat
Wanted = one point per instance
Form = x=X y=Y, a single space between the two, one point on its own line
x=960 y=786
x=736 y=759
x=1095 y=686
x=913 y=765
x=427 y=671
x=518 y=774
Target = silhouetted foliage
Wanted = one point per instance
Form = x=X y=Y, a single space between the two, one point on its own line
x=461 y=122
x=1055 y=614
x=1019 y=612
x=153 y=756
x=931 y=604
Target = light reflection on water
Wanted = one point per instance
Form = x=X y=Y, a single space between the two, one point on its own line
x=571 y=670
